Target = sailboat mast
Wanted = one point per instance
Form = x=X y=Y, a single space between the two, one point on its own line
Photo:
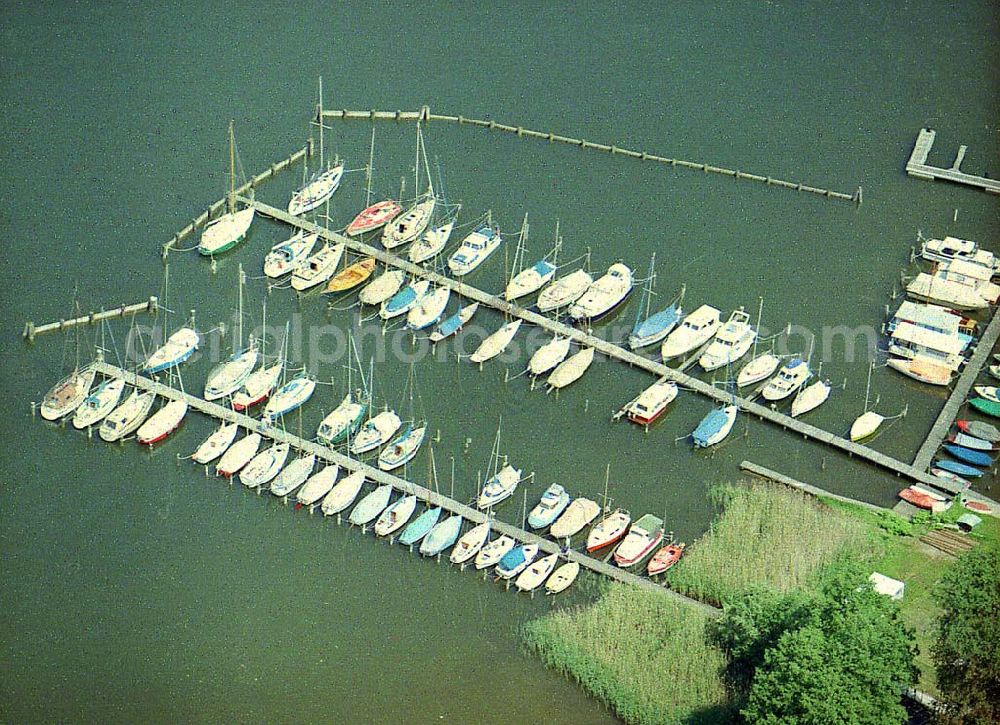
x=760 y=313
x=416 y=165
x=231 y=201
x=607 y=478
x=868 y=386
x=239 y=314
x=555 y=252
x=371 y=164
x=321 y=123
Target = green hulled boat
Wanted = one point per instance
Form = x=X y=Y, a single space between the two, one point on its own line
x=989 y=407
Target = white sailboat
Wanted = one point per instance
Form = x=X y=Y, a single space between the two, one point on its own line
x=411 y=224
x=127 y=417
x=323 y=184
x=287 y=256
x=343 y=494
x=428 y=309
x=532 y=577
x=760 y=366
x=549 y=355
x=393 y=518
x=98 y=404
x=382 y=287
x=228 y=376
x=288 y=397
x=318 y=485
x=496 y=343
x=178 y=348
x=562 y=578
x=318 y=268
x=454 y=323
x=564 y=291
x=404 y=300
x=265 y=465
x=532 y=277
x=293 y=475
x=432 y=242
x=216 y=444
x=376 y=431
x=869 y=421
x=810 y=397
x=261 y=382
x=502 y=483
x=68 y=394
x=162 y=423
x=494 y=551
x=231 y=228
x=470 y=543
x=238 y=455
x=571 y=369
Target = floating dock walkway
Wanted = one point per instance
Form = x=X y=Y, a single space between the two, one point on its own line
x=959 y=394
x=431 y=498
x=424 y=115
x=614 y=351
x=917 y=165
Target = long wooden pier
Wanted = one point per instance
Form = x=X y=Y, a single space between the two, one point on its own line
x=430 y=497
x=424 y=115
x=959 y=394
x=918 y=167
x=772 y=475
x=31 y=330
x=614 y=351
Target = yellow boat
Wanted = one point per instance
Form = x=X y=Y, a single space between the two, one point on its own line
x=351 y=277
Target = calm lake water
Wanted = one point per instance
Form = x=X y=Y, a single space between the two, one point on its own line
x=136 y=588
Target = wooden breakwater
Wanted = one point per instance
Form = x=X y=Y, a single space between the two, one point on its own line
x=424 y=115
x=31 y=329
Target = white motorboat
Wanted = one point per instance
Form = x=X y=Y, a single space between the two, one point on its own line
x=789 y=379
x=318 y=268
x=645 y=535
x=494 y=551
x=731 y=342
x=178 y=348
x=395 y=517
x=376 y=431
x=579 y=513
x=532 y=577
x=950 y=248
x=68 y=394
x=474 y=250
x=470 y=543
x=318 y=485
x=343 y=494
x=652 y=402
x=499 y=487
x=564 y=291
x=972 y=275
x=293 y=475
x=238 y=455
x=382 y=287
x=98 y=404
x=315 y=193
x=162 y=423
x=404 y=300
x=697 y=328
x=496 y=343
x=549 y=355
x=407 y=227
x=604 y=295
x=428 y=309
x=431 y=243
x=571 y=369
x=287 y=256
x=265 y=465
x=216 y=444
x=810 y=397
x=127 y=417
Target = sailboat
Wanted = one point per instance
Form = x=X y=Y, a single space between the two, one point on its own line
x=293 y=475
x=789 y=379
x=229 y=376
x=216 y=444
x=405 y=299
x=475 y=249
x=351 y=276
x=571 y=369
x=231 y=228
x=238 y=455
x=580 y=512
x=428 y=309
x=532 y=278
x=471 y=542
x=604 y=295
x=869 y=421
x=810 y=397
x=393 y=518
x=612 y=527
x=532 y=577
x=403 y=449
x=127 y=417
x=374 y=215
x=68 y=394
x=98 y=404
x=382 y=287
x=368 y=508
x=343 y=494
x=318 y=485
x=491 y=553
x=564 y=291
x=420 y=526
x=694 y=331
x=344 y=420
x=318 y=268
x=496 y=343
x=265 y=465
x=715 y=426
x=377 y=429
x=549 y=355
x=516 y=560
x=162 y=423
x=323 y=183
x=287 y=256
x=289 y=396
x=259 y=384
x=650 y=329
x=433 y=240
x=502 y=483
x=454 y=323
x=731 y=342
x=760 y=366
x=410 y=225
x=178 y=348
x=442 y=536
x=562 y=578
x=665 y=558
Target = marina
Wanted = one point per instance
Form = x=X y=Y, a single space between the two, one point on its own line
x=918 y=167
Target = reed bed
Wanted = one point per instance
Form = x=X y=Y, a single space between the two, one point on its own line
x=767 y=535
x=644 y=655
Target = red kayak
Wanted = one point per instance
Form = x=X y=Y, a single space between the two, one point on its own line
x=978 y=506
x=918 y=499
x=373 y=217
x=665 y=558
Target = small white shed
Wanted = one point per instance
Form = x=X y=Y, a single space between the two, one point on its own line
x=892 y=588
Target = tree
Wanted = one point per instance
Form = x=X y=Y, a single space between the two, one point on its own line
x=967 y=651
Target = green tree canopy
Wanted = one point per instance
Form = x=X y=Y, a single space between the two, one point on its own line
x=967 y=651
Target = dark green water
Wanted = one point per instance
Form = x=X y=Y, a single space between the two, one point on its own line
x=136 y=588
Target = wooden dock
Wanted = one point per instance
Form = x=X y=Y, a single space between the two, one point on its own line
x=31 y=330
x=770 y=475
x=424 y=115
x=431 y=498
x=917 y=165
x=612 y=350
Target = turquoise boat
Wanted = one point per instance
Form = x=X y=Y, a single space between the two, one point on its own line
x=554 y=502
x=442 y=536
x=418 y=528
x=983 y=405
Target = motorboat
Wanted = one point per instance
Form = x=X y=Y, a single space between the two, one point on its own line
x=731 y=342
x=516 y=560
x=789 y=379
x=652 y=402
x=499 y=487
x=950 y=293
x=604 y=295
x=951 y=248
x=553 y=502
x=474 y=250
x=610 y=529
x=694 y=331
x=644 y=536
x=664 y=559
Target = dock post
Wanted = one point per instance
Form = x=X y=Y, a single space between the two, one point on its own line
x=29 y=331
x=34 y=408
